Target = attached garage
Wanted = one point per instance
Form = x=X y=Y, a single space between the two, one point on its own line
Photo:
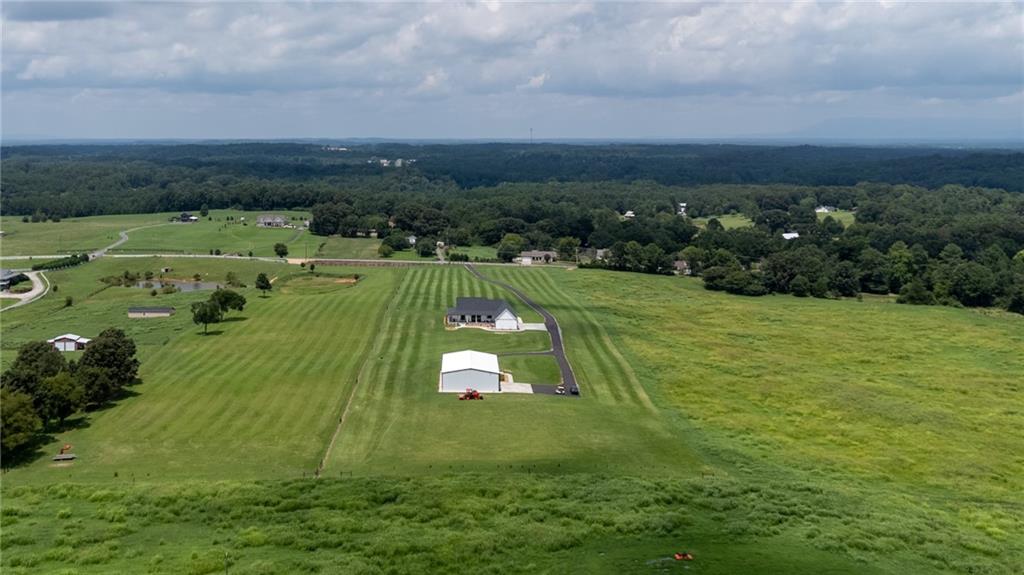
x=506 y=321
x=462 y=370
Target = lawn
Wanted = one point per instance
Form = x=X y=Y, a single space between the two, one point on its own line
x=728 y=221
x=532 y=369
x=765 y=435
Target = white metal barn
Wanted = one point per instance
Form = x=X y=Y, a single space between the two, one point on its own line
x=68 y=342
x=462 y=370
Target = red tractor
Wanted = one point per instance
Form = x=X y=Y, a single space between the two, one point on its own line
x=470 y=394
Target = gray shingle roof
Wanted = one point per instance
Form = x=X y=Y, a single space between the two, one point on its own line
x=479 y=306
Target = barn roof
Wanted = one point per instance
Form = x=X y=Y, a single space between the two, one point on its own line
x=469 y=359
x=479 y=306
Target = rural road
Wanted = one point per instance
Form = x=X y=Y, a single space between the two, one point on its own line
x=557 y=348
x=40 y=287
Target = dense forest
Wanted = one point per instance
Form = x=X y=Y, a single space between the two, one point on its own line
x=933 y=225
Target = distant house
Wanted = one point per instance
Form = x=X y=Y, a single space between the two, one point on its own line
x=69 y=342
x=462 y=370
x=682 y=268
x=480 y=312
x=682 y=208
x=271 y=221
x=537 y=256
x=187 y=217
x=629 y=214
x=602 y=253
x=790 y=235
x=825 y=209
x=411 y=240
x=9 y=278
x=147 y=312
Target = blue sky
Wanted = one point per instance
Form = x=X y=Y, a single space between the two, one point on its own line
x=494 y=70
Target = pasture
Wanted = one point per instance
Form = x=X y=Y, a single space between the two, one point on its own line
x=219 y=233
x=766 y=435
x=70 y=235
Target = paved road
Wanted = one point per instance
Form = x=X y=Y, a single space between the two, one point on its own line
x=40 y=287
x=557 y=348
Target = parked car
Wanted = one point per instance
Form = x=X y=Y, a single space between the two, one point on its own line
x=574 y=390
x=560 y=390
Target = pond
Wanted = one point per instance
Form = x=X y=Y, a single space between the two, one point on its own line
x=180 y=284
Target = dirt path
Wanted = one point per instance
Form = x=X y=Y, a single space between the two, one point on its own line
x=557 y=348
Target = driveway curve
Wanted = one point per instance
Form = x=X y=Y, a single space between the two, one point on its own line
x=557 y=347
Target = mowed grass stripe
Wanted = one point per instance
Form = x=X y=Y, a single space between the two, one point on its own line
x=608 y=349
x=367 y=402
x=593 y=347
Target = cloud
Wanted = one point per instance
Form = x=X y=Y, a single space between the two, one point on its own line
x=830 y=56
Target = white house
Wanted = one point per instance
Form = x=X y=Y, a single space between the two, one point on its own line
x=462 y=370
x=629 y=214
x=68 y=342
x=682 y=208
x=790 y=235
x=411 y=240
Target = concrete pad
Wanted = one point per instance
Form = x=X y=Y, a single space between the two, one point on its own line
x=534 y=327
x=512 y=387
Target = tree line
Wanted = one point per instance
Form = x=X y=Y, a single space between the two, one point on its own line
x=41 y=389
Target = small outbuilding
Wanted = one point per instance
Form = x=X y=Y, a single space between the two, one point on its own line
x=790 y=235
x=69 y=342
x=147 y=312
x=462 y=370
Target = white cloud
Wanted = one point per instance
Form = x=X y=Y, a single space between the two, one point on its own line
x=565 y=54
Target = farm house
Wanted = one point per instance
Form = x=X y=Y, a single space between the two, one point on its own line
x=462 y=370
x=69 y=342
x=480 y=312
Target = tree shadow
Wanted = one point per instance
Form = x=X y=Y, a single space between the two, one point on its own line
x=123 y=393
x=234 y=319
x=33 y=451
x=212 y=332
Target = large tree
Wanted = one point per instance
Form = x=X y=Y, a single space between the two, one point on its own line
x=281 y=250
x=60 y=396
x=263 y=283
x=114 y=352
x=206 y=312
x=18 y=420
x=36 y=360
x=228 y=300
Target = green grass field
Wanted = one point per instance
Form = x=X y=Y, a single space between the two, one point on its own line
x=475 y=253
x=228 y=236
x=728 y=221
x=71 y=235
x=360 y=249
x=765 y=435
x=846 y=217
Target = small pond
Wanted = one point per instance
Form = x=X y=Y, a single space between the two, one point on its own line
x=180 y=284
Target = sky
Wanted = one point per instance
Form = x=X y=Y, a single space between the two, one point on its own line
x=489 y=70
